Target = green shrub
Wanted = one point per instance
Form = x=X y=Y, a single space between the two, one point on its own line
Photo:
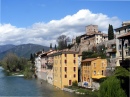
x=74 y=83
x=111 y=88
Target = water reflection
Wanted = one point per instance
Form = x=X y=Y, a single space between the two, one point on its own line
x=18 y=86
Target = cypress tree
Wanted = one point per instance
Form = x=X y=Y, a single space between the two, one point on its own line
x=50 y=45
x=55 y=47
x=110 y=32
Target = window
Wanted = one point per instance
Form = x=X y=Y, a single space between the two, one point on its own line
x=84 y=78
x=120 y=53
x=74 y=75
x=125 y=45
x=74 y=69
x=74 y=61
x=65 y=69
x=94 y=64
x=120 y=46
x=119 y=31
x=65 y=61
x=102 y=72
x=126 y=53
x=65 y=55
x=94 y=72
x=102 y=65
x=74 y=55
x=65 y=76
x=125 y=29
x=60 y=69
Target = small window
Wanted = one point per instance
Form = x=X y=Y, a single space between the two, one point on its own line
x=119 y=31
x=102 y=72
x=74 y=75
x=102 y=65
x=65 y=61
x=74 y=69
x=65 y=69
x=125 y=29
x=60 y=69
x=94 y=72
x=74 y=61
x=74 y=55
x=126 y=53
x=120 y=53
x=65 y=76
x=65 y=55
x=120 y=46
x=94 y=64
x=125 y=45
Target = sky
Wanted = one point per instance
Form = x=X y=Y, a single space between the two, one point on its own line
x=42 y=21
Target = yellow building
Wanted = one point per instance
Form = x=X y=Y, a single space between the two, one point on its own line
x=93 y=68
x=65 y=68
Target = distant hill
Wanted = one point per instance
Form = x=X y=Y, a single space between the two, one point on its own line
x=6 y=47
x=24 y=50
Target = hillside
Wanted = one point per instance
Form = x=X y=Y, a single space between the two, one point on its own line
x=24 y=50
x=6 y=47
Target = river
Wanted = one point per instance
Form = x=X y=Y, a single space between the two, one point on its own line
x=18 y=86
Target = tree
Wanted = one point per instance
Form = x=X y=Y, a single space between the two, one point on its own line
x=50 y=45
x=111 y=88
x=70 y=45
x=10 y=62
x=110 y=32
x=86 y=54
x=62 y=42
x=55 y=47
x=78 y=40
x=123 y=75
x=31 y=57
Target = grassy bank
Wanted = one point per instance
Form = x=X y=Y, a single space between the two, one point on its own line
x=85 y=91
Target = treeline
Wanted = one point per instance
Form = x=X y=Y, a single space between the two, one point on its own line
x=13 y=64
x=116 y=85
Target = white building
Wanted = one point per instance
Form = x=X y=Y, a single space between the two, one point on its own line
x=121 y=31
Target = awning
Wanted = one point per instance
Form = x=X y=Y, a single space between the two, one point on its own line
x=98 y=76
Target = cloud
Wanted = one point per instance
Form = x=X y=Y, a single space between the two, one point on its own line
x=46 y=33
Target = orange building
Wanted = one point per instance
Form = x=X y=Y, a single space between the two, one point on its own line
x=65 y=68
x=93 y=68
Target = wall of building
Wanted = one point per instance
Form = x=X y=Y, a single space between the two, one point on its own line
x=93 y=68
x=123 y=30
x=63 y=72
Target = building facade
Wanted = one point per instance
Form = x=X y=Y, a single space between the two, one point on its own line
x=126 y=52
x=65 y=68
x=93 y=68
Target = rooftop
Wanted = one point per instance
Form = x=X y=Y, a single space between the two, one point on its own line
x=125 y=36
x=89 y=59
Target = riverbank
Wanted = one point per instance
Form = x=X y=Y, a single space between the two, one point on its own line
x=81 y=91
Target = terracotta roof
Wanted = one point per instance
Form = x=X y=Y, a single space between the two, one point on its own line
x=89 y=59
x=125 y=36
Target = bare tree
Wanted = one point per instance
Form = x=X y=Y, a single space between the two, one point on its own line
x=62 y=42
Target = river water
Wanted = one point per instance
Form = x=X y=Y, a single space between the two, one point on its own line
x=18 y=86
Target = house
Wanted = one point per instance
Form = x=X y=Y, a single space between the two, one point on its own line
x=92 y=68
x=123 y=42
x=90 y=39
x=65 y=68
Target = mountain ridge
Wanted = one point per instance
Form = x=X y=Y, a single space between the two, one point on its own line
x=24 y=50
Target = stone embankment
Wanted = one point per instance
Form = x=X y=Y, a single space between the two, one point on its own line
x=68 y=90
x=72 y=91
